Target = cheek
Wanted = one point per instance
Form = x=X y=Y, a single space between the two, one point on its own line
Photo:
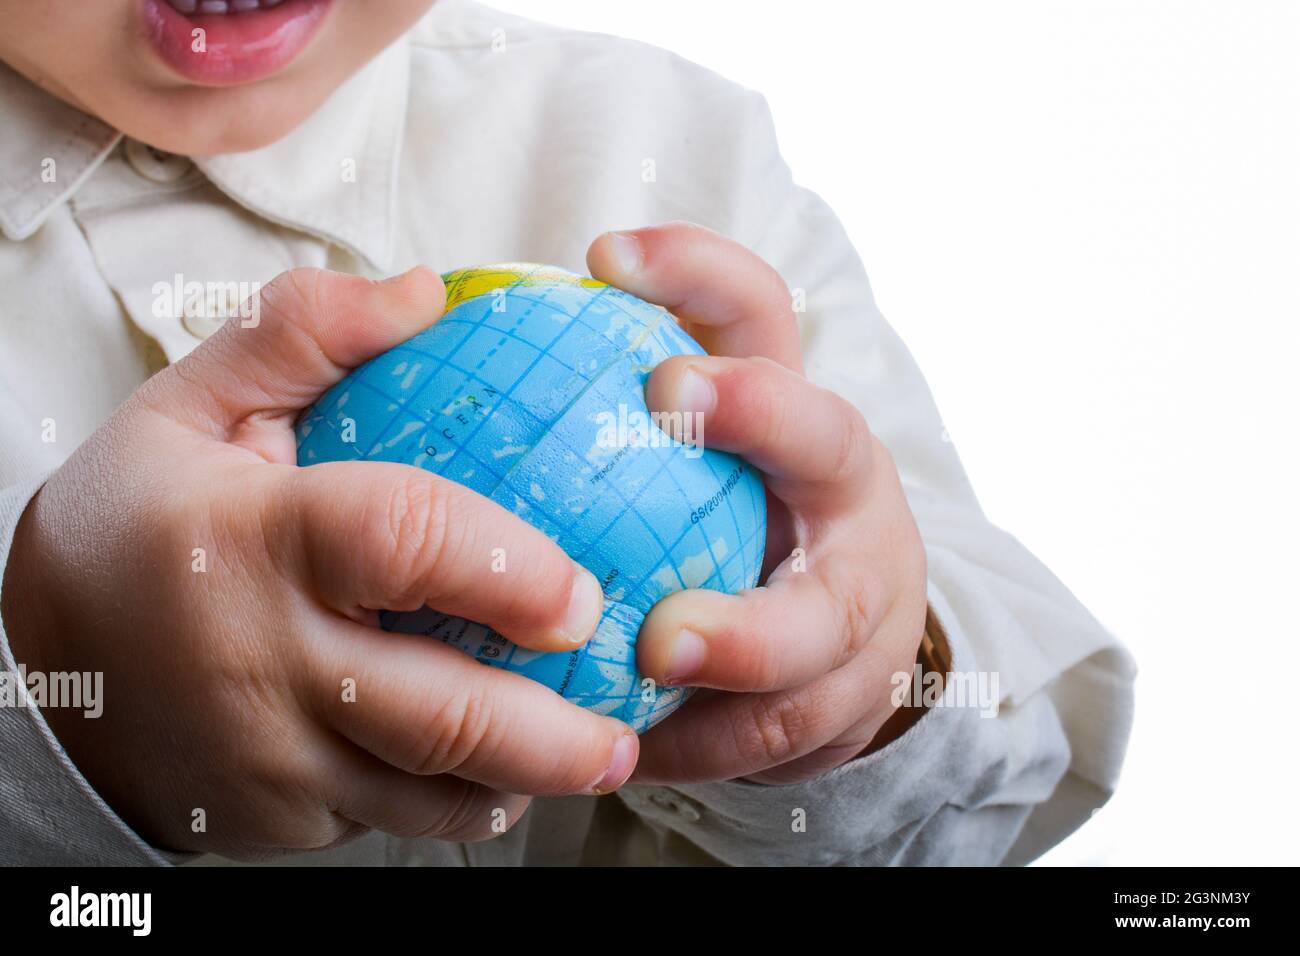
x=68 y=47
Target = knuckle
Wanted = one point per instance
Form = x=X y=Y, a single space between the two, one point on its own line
x=417 y=537
x=314 y=831
x=293 y=293
x=859 y=621
x=291 y=814
x=855 y=451
x=764 y=666
x=295 y=305
x=467 y=815
x=456 y=731
x=778 y=292
x=291 y=311
x=777 y=728
x=777 y=422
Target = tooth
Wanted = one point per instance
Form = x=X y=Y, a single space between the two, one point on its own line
x=184 y=6
x=214 y=6
x=242 y=5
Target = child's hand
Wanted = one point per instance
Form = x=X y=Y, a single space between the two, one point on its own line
x=807 y=658
x=223 y=593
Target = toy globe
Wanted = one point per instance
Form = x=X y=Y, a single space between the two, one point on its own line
x=531 y=391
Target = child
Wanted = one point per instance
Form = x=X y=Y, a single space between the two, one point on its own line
x=157 y=532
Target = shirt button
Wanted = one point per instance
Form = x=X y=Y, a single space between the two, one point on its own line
x=667 y=800
x=204 y=314
x=155 y=165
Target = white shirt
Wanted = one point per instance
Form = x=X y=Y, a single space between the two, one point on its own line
x=481 y=137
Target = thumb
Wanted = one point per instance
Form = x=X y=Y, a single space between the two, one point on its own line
x=306 y=329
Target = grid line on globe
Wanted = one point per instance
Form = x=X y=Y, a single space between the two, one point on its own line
x=508 y=394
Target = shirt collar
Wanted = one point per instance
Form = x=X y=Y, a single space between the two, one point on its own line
x=49 y=149
x=335 y=176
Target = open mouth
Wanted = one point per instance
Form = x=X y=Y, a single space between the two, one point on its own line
x=225 y=42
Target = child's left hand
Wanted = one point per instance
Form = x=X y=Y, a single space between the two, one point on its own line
x=800 y=667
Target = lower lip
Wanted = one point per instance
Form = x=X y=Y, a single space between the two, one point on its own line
x=236 y=47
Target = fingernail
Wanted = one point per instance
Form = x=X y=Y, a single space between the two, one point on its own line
x=586 y=602
x=626 y=251
x=621 y=765
x=695 y=392
x=686 y=657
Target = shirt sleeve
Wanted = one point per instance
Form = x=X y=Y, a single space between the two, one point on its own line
x=49 y=812
x=962 y=785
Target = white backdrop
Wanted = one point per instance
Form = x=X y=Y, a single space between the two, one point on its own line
x=1084 y=219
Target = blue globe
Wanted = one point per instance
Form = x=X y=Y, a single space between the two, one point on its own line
x=531 y=390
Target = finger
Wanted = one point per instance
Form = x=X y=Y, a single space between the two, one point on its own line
x=780 y=636
x=814 y=448
x=370 y=792
x=726 y=736
x=305 y=330
x=848 y=745
x=426 y=708
x=810 y=765
x=731 y=301
x=882 y=724
x=379 y=535
x=884 y=720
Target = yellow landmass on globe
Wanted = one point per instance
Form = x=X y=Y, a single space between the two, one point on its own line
x=465 y=284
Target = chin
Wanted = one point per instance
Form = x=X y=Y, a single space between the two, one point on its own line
x=201 y=122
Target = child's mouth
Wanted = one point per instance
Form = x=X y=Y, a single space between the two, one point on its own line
x=224 y=42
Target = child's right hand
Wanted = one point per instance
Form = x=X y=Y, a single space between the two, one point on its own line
x=229 y=690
